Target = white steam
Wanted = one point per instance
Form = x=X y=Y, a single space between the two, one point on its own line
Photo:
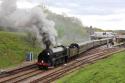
x=33 y=20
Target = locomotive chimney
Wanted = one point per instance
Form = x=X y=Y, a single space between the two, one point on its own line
x=46 y=40
x=48 y=43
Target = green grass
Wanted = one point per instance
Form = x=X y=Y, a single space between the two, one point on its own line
x=110 y=70
x=13 y=48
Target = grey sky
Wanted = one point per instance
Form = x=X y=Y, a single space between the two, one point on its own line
x=98 y=7
x=105 y=14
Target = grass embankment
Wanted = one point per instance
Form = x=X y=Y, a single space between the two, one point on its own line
x=13 y=48
x=110 y=70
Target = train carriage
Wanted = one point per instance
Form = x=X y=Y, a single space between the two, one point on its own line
x=85 y=46
x=96 y=43
x=103 y=41
x=90 y=45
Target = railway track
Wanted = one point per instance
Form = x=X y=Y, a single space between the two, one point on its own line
x=74 y=65
x=22 y=77
x=34 y=75
x=17 y=70
x=7 y=76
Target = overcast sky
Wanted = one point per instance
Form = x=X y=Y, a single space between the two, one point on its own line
x=105 y=14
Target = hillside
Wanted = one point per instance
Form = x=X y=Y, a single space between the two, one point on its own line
x=13 y=48
x=110 y=70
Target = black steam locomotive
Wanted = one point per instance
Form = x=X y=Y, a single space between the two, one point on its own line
x=61 y=54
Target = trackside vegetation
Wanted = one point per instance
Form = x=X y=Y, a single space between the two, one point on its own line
x=110 y=70
x=13 y=48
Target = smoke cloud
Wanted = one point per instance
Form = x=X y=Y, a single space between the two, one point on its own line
x=32 y=20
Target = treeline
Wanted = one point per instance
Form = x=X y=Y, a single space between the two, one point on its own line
x=70 y=29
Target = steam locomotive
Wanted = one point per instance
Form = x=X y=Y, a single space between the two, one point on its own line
x=61 y=54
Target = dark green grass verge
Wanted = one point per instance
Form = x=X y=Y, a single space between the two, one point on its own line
x=13 y=48
x=110 y=70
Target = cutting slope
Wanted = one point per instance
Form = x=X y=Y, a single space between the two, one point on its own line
x=13 y=48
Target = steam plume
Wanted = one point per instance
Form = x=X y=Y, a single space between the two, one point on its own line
x=33 y=20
